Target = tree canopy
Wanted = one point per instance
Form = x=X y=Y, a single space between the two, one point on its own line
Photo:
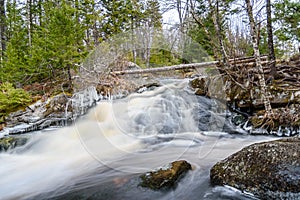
x=47 y=40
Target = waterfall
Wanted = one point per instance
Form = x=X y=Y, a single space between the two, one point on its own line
x=104 y=152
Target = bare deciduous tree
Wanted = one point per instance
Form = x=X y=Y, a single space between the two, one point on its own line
x=261 y=77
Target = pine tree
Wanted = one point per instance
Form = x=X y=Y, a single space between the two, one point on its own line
x=60 y=41
x=210 y=16
x=287 y=19
x=15 y=66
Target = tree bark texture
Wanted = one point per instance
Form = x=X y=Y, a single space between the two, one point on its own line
x=215 y=16
x=261 y=77
x=3 y=27
x=272 y=57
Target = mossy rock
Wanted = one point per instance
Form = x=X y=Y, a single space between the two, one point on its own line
x=165 y=177
x=270 y=170
x=200 y=85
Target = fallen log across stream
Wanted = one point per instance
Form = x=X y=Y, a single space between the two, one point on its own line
x=167 y=68
x=235 y=62
x=242 y=89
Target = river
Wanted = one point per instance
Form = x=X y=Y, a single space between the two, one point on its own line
x=102 y=155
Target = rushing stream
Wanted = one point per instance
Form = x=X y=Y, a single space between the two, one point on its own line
x=102 y=155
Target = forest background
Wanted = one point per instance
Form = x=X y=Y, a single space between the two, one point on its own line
x=43 y=42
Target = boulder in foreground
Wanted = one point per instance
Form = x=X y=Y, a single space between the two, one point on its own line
x=165 y=177
x=269 y=170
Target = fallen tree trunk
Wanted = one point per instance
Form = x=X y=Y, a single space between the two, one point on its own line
x=263 y=57
x=168 y=68
x=179 y=67
x=233 y=61
x=249 y=64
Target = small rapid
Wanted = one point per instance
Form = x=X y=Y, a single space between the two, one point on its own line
x=102 y=155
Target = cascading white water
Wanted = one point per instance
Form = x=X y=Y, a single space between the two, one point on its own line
x=99 y=157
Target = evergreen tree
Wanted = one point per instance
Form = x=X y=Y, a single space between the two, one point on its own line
x=60 y=41
x=51 y=51
x=12 y=99
x=210 y=17
x=287 y=16
x=15 y=66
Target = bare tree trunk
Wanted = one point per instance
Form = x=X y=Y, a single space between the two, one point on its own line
x=215 y=16
x=133 y=35
x=69 y=76
x=95 y=34
x=29 y=22
x=3 y=27
x=272 y=57
x=183 y=10
x=261 y=77
x=238 y=63
x=168 y=68
x=149 y=38
x=179 y=10
x=258 y=30
x=40 y=12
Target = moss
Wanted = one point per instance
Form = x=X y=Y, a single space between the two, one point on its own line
x=165 y=177
x=258 y=168
x=12 y=99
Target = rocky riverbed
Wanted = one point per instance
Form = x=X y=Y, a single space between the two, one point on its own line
x=268 y=170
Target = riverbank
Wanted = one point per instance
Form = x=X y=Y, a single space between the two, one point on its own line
x=238 y=87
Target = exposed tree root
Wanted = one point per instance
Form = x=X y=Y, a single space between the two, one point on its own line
x=284 y=117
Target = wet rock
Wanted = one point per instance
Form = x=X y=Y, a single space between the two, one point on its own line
x=37 y=116
x=58 y=104
x=7 y=143
x=148 y=86
x=104 y=90
x=270 y=170
x=165 y=177
x=2 y=126
x=59 y=110
x=199 y=84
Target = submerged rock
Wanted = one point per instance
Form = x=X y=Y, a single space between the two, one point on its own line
x=165 y=177
x=270 y=170
x=7 y=143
